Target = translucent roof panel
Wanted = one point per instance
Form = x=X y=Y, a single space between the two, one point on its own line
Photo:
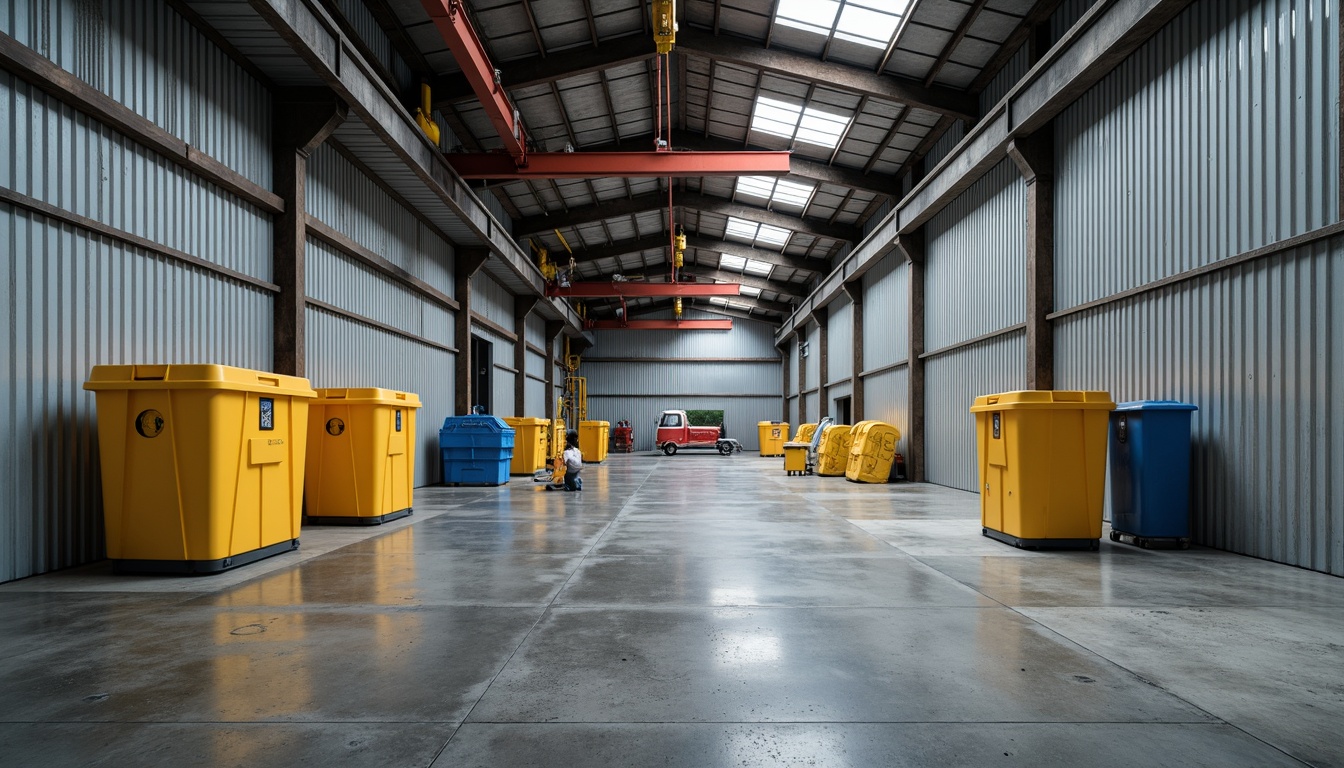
x=813 y=126
x=755 y=267
x=747 y=290
x=866 y=22
x=728 y=261
x=779 y=192
x=756 y=234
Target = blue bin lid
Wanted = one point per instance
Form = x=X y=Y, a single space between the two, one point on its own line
x=1156 y=405
x=476 y=423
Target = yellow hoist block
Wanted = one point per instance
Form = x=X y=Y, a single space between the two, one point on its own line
x=664 y=25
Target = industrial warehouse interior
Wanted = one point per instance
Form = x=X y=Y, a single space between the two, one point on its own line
x=671 y=382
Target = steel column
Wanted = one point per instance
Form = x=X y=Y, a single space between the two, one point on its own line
x=854 y=290
x=553 y=330
x=1034 y=156
x=912 y=246
x=522 y=307
x=468 y=261
x=823 y=318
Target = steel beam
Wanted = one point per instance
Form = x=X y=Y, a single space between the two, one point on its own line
x=625 y=206
x=450 y=18
x=862 y=81
x=698 y=243
x=592 y=165
x=694 y=272
x=658 y=325
x=602 y=290
x=554 y=67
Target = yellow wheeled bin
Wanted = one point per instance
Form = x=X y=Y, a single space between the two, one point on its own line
x=833 y=451
x=805 y=433
x=530 y=439
x=361 y=456
x=1042 y=459
x=795 y=458
x=593 y=439
x=872 y=452
x=202 y=464
x=772 y=435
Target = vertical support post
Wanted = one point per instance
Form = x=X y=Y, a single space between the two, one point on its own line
x=912 y=245
x=823 y=317
x=1035 y=158
x=468 y=261
x=522 y=307
x=553 y=330
x=303 y=118
x=784 y=383
x=802 y=374
x=854 y=290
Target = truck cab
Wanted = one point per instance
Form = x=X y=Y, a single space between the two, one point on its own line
x=675 y=431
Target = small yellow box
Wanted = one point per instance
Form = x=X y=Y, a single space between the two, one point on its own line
x=202 y=465
x=772 y=435
x=833 y=451
x=529 y=444
x=1042 y=459
x=795 y=458
x=593 y=439
x=872 y=452
x=805 y=433
x=361 y=456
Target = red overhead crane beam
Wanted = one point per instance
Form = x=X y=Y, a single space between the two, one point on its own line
x=588 y=165
x=658 y=325
x=605 y=290
x=450 y=16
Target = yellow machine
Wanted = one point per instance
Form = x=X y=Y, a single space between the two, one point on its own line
x=424 y=115
x=1042 y=458
x=833 y=453
x=361 y=456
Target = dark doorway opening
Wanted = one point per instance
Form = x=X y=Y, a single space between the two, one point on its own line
x=483 y=365
x=842 y=410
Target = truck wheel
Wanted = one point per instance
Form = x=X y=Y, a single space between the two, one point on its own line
x=725 y=448
x=670 y=449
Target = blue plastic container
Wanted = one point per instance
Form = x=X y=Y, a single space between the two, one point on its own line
x=476 y=450
x=1150 y=472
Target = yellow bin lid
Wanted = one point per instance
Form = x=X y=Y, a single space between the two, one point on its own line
x=367 y=396
x=194 y=376
x=525 y=421
x=594 y=423
x=1044 y=399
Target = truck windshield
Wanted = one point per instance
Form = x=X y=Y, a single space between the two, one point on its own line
x=670 y=420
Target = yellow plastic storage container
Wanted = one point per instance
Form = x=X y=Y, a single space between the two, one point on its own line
x=833 y=451
x=202 y=464
x=593 y=440
x=530 y=440
x=872 y=452
x=772 y=435
x=805 y=433
x=1042 y=459
x=795 y=458
x=361 y=456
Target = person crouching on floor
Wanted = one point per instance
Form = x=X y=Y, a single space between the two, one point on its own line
x=573 y=462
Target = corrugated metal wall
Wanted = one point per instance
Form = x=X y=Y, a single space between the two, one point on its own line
x=76 y=300
x=1218 y=137
x=886 y=313
x=492 y=300
x=952 y=382
x=812 y=363
x=975 y=282
x=337 y=279
x=342 y=352
x=1005 y=79
x=1257 y=348
x=141 y=53
x=840 y=340
x=887 y=398
x=372 y=35
x=1174 y=162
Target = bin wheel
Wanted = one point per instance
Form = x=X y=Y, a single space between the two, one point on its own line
x=1096 y=545
x=1185 y=543
x=1115 y=536
x=1142 y=542
x=670 y=449
x=725 y=448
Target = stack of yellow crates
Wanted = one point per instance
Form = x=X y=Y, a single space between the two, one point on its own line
x=872 y=452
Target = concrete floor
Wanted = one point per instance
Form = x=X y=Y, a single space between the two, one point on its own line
x=688 y=611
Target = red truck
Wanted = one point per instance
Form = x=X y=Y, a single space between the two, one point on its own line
x=675 y=431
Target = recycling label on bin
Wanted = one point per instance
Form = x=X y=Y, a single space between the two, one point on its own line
x=398 y=421
x=335 y=427
x=149 y=423
x=267 y=409
x=997 y=431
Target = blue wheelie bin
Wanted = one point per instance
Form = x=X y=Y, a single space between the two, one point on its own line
x=1150 y=473
x=476 y=450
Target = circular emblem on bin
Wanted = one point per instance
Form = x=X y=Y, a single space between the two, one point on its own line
x=335 y=427
x=149 y=423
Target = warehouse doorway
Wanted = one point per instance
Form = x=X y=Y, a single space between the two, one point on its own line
x=842 y=410
x=482 y=366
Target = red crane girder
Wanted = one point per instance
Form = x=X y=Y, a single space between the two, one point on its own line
x=659 y=325
x=580 y=165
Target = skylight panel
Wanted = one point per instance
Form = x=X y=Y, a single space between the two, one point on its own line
x=772 y=235
x=747 y=290
x=754 y=267
x=756 y=186
x=813 y=126
x=741 y=228
x=728 y=261
x=812 y=15
x=776 y=191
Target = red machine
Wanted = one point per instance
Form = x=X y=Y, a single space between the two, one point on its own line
x=623 y=437
x=675 y=431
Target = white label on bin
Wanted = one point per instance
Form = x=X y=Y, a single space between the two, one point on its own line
x=398 y=421
x=267 y=409
x=996 y=427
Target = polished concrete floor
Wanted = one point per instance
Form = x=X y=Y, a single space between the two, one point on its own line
x=689 y=611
